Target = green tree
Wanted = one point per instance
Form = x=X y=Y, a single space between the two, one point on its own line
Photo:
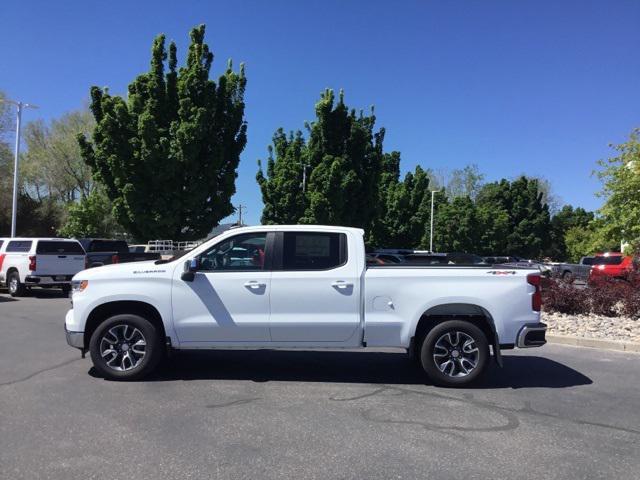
x=52 y=166
x=282 y=195
x=526 y=230
x=167 y=156
x=345 y=160
x=465 y=182
x=620 y=213
x=91 y=217
x=565 y=219
x=401 y=221
x=456 y=226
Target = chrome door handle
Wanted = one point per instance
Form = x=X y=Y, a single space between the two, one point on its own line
x=341 y=284
x=254 y=284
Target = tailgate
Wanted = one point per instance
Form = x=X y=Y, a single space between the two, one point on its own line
x=59 y=258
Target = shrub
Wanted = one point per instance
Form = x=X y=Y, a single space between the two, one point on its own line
x=602 y=296
x=561 y=297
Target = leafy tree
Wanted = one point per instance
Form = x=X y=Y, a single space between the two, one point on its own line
x=465 y=182
x=284 y=200
x=52 y=165
x=345 y=159
x=91 y=217
x=167 y=156
x=620 y=175
x=526 y=230
x=566 y=219
x=457 y=226
x=406 y=204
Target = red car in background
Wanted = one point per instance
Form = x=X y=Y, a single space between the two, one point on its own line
x=612 y=265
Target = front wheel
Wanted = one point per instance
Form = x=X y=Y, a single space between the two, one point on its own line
x=454 y=353
x=125 y=347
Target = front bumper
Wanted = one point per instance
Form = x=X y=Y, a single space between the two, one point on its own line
x=75 y=339
x=532 y=335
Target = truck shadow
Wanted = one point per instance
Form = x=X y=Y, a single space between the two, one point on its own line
x=354 y=367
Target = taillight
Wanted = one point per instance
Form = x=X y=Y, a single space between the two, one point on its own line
x=1 y=260
x=536 y=298
x=32 y=263
x=115 y=259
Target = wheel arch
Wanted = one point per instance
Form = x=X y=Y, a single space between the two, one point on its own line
x=469 y=312
x=134 y=307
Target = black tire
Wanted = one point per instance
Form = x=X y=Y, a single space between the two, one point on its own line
x=147 y=363
x=15 y=286
x=568 y=277
x=453 y=375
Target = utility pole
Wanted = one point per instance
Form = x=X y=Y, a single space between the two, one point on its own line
x=433 y=193
x=304 y=176
x=16 y=160
x=240 y=208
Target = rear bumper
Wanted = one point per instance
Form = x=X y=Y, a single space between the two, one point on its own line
x=51 y=280
x=532 y=335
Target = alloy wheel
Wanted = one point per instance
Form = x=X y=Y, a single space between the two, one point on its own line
x=123 y=347
x=456 y=354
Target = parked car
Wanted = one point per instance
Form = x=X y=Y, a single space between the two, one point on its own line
x=388 y=257
x=444 y=259
x=102 y=251
x=39 y=262
x=302 y=287
x=612 y=265
x=501 y=259
x=570 y=272
x=138 y=248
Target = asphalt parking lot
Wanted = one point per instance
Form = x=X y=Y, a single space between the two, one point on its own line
x=555 y=412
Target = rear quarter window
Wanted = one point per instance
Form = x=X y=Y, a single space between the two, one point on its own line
x=48 y=247
x=19 y=246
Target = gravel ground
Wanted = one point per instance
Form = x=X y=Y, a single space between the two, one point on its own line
x=593 y=326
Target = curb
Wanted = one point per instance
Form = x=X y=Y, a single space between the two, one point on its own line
x=617 y=345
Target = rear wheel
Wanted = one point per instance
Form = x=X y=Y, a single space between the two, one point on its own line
x=16 y=288
x=125 y=347
x=454 y=353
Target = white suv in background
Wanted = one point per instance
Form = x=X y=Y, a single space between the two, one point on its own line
x=39 y=262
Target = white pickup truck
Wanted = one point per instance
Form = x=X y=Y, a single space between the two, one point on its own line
x=301 y=287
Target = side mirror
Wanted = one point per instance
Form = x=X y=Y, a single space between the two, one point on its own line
x=189 y=270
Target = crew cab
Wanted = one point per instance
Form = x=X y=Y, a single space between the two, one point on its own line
x=302 y=287
x=39 y=262
x=105 y=251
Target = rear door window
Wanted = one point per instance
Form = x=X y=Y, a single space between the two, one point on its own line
x=313 y=250
x=48 y=247
x=19 y=246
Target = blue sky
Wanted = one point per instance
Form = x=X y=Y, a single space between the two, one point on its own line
x=537 y=87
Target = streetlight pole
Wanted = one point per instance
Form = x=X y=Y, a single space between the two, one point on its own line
x=16 y=160
x=433 y=193
x=304 y=176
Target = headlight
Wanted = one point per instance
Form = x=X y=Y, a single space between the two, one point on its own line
x=79 y=285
